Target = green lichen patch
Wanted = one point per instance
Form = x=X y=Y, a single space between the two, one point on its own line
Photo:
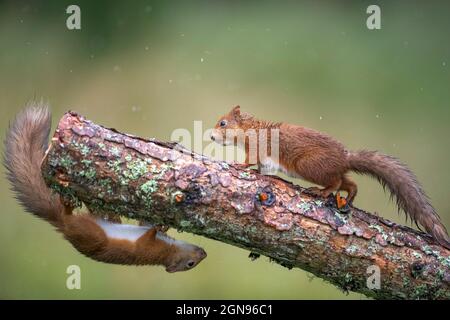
x=67 y=194
x=84 y=150
x=304 y=205
x=90 y=173
x=352 y=249
x=185 y=224
x=136 y=169
x=245 y=175
x=105 y=184
x=86 y=162
x=376 y=227
x=66 y=162
x=145 y=192
x=102 y=146
x=149 y=187
x=420 y=292
x=115 y=151
x=318 y=203
x=427 y=249
x=115 y=165
x=225 y=165
x=416 y=255
x=342 y=219
x=99 y=206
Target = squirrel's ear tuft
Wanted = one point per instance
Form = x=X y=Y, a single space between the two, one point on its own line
x=236 y=112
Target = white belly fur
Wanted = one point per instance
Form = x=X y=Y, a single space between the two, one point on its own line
x=122 y=231
x=132 y=232
x=271 y=167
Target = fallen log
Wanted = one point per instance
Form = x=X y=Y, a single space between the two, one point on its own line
x=164 y=183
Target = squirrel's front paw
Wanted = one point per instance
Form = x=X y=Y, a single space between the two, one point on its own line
x=314 y=191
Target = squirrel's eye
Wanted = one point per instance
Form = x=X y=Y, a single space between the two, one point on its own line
x=190 y=264
x=223 y=123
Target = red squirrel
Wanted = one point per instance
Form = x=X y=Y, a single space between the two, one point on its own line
x=320 y=159
x=99 y=239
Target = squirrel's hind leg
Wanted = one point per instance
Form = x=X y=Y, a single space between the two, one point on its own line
x=349 y=186
x=332 y=186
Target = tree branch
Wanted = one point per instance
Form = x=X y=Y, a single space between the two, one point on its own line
x=163 y=183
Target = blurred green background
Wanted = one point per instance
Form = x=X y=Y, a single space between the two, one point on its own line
x=148 y=67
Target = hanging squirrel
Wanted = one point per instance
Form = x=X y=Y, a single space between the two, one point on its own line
x=320 y=159
x=99 y=239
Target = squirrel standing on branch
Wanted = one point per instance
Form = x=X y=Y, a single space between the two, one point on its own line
x=99 y=239
x=320 y=159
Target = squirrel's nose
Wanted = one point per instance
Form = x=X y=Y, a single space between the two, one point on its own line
x=212 y=138
x=202 y=253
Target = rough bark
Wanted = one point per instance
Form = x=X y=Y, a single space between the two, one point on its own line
x=163 y=183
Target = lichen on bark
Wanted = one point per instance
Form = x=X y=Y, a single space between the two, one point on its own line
x=160 y=182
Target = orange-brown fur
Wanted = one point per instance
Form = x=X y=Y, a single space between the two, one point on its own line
x=320 y=159
x=25 y=144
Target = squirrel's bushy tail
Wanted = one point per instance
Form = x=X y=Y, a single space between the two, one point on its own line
x=402 y=183
x=25 y=145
